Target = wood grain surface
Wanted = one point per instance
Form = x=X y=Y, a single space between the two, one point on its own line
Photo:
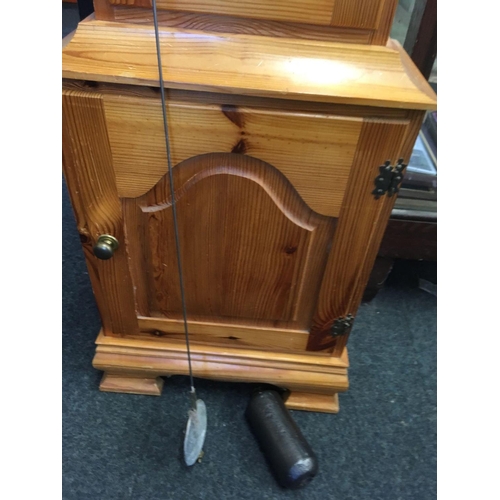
x=112 y=382
x=223 y=332
x=256 y=253
x=361 y=226
x=188 y=97
x=305 y=373
x=347 y=21
x=349 y=13
x=241 y=25
x=283 y=298
x=313 y=150
x=252 y=251
x=311 y=11
x=319 y=362
x=90 y=177
x=381 y=35
x=410 y=135
x=246 y=65
x=324 y=403
x=357 y=13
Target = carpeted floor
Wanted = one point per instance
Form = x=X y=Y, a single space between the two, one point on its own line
x=382 y=444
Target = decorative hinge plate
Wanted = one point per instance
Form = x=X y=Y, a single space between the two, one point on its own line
x=342 y=325
x=389 y=179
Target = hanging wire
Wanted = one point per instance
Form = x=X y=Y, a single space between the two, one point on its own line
x=172 y=194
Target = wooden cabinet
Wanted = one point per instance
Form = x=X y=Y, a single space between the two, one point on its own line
x=277 y=145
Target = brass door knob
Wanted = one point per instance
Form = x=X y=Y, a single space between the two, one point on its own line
x=105 y=246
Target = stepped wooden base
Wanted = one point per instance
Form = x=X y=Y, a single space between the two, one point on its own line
x=131 y=385
x=325 y=403
x=133 y=365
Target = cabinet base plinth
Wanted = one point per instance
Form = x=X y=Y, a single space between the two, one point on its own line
x=131 y=385
x=325 y=403
x=134 y=366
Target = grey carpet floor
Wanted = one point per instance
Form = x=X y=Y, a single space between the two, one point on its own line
x=382 y=444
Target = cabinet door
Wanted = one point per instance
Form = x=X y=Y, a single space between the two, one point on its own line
x=253 y=253
x=262 y=268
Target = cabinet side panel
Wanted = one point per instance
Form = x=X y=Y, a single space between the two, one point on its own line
x=89 y=173
x=360 y=228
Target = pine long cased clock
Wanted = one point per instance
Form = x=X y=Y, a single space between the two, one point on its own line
x=290 y=123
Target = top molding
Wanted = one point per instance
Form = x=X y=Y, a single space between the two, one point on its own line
x=263 y=66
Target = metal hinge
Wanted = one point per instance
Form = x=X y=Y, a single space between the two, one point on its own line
x=389 y=178
x=342 y=325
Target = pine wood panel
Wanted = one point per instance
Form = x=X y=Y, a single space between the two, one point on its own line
x=405 y=149
x=252 y=251
x=307 y=11
x=247 y=65
x=314 y=151
x=361 y=226
x=266 y=336
x=357 y=13
x=242 y=101
x=89 y=173
x=382 y=34
x=231 y=24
